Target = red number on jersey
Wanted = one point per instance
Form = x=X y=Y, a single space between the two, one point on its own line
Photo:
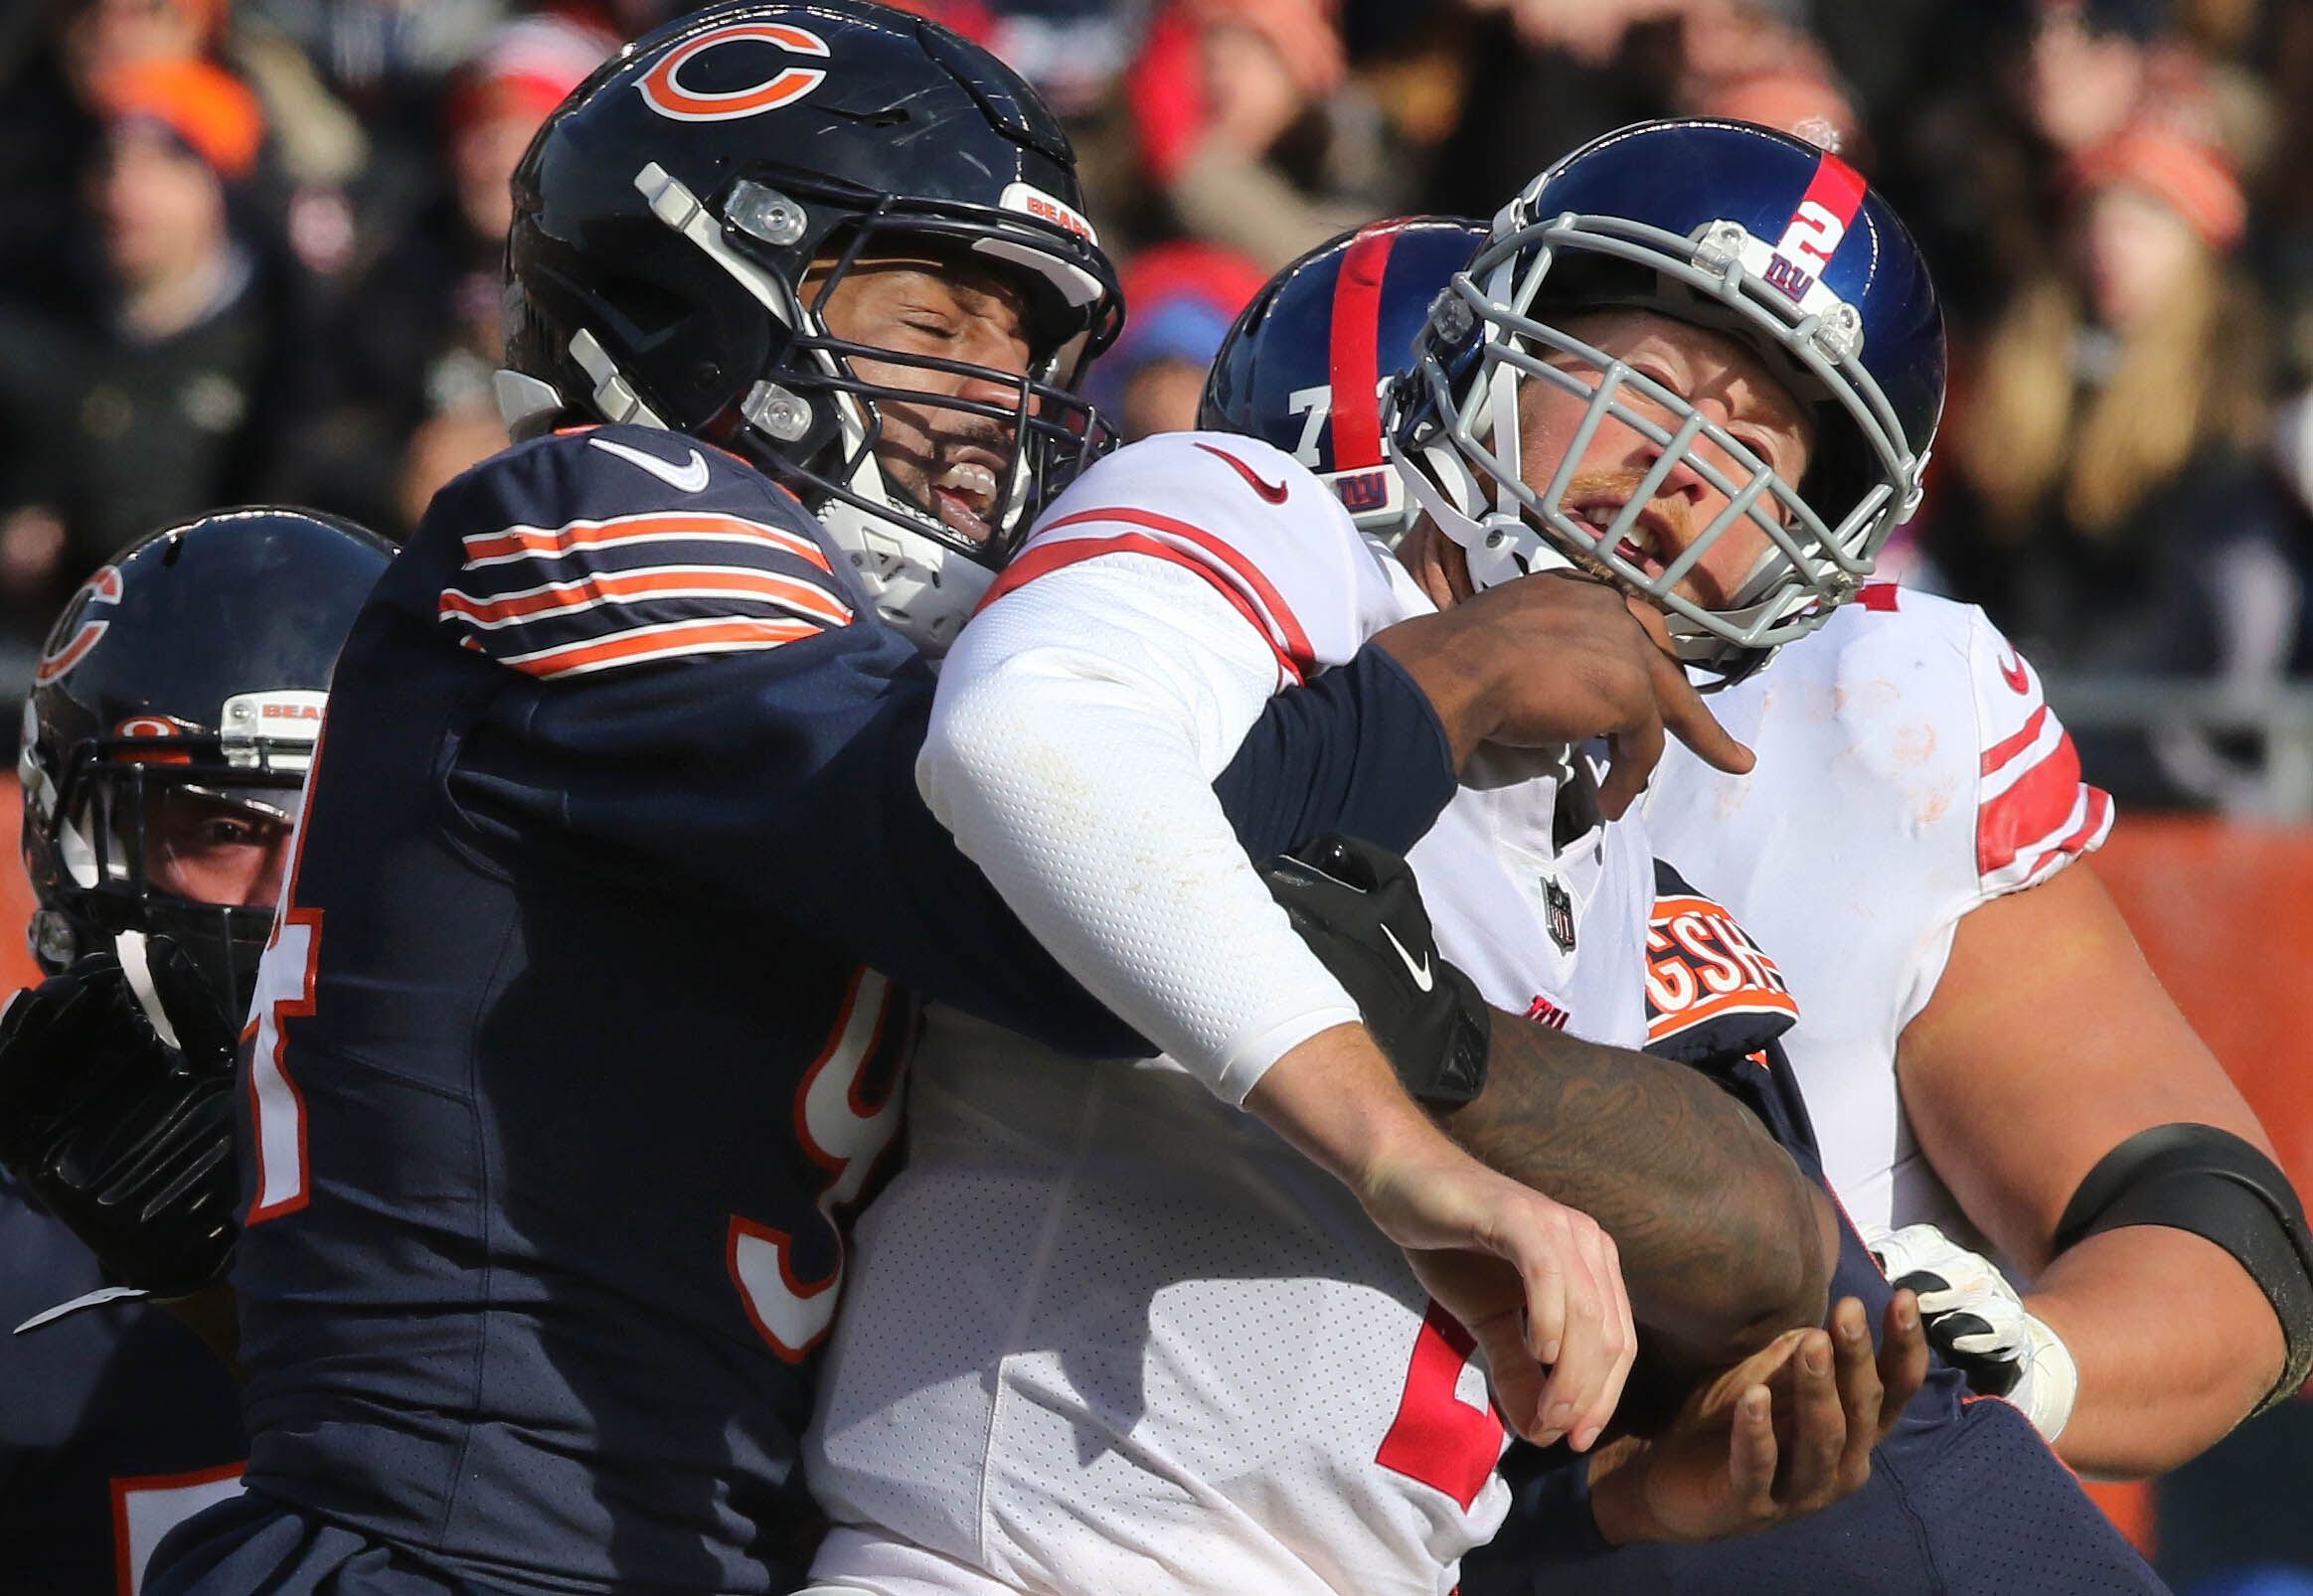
x=1440 y=1438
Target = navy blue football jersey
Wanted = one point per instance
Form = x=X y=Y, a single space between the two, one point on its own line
x=1964 y=1494
x=115 y=1422
x=581 y=1031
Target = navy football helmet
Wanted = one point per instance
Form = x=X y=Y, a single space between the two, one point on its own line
x=194 y=665
x=667 y=213
x=1727 y=226
x=1307 y=364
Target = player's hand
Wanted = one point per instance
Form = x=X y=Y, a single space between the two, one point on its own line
x=1537 y=1284
x=1980 y=1324
x=123 y=1132
x=1787 y=1432
x=1560 y=657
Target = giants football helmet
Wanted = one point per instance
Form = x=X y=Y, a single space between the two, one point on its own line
x=666 y=216
x=191 y=669
x=1730 y=226
x=1308 y=363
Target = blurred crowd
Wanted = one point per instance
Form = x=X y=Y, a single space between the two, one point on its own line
x=252 y=252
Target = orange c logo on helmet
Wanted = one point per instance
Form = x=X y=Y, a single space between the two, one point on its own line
x=663 y=89
x=63 y=653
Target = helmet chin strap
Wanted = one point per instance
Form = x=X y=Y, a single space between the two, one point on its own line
x=1499 y=548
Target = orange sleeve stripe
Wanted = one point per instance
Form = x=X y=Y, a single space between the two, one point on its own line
x=662 y=642
x=1053 y=557
x=1744 y=999
x=556 y=540
x=690 y=581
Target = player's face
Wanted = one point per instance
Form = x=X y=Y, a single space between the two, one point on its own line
x=213 y=849
x=949 y=460
x=1720 y=376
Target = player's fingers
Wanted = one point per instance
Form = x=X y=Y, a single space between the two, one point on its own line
x=1860 y=1391
x=1818 y=1425
x=1751 y=1453
x=1618 y=1339
x=1635 y=750
x=1903 y=1359
x=1578 y=1398
x=1517 y=1379
x=1688 y=719
x=1538 y=1257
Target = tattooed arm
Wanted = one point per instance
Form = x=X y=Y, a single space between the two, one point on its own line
x=1724 y=1243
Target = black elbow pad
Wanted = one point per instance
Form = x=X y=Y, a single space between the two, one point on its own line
x=2210 y=1182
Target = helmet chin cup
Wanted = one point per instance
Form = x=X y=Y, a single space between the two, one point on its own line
x=923 y=589
x=1498 y=545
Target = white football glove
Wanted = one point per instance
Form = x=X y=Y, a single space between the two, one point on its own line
x=1978 y=1322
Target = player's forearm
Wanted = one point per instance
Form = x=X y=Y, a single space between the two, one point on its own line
x=1335 y=1098
x=2174 y=1342
x=1724 y=1243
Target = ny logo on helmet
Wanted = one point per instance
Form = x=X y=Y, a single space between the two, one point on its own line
x=662 y=89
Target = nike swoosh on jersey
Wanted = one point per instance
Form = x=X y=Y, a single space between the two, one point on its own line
x=1273 y=492
x=1422 y=978
x=2012 y=673
x=689 y=478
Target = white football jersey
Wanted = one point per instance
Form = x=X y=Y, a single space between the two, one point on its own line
x=1105 y=1332
x=1908 y=770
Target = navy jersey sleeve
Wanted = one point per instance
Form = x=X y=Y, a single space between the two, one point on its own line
x=115 y=1422
x=694 y=698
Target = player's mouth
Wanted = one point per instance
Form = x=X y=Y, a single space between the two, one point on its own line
x=1647 y=548
x=965 y=494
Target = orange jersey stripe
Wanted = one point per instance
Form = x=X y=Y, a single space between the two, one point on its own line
x=514 y=543
x=1744 y=999
x=669 y=641
x=679 y=581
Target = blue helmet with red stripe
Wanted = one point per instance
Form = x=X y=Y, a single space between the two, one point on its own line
x=1730 y=226
x=1306 y=365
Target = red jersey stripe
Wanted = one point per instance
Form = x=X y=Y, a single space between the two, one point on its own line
x=1053 y=557
x=2041 y=801
x=1353 y=365
x=2085 y=836
x=2007 y=748
x=1285 y=632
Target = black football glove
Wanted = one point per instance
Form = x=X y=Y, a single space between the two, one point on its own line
x=1359 y=910
x=125 y=1139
